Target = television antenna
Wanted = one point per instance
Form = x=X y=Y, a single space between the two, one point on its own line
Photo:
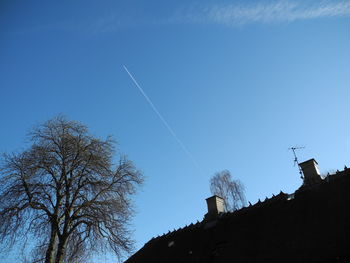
x=296 y=162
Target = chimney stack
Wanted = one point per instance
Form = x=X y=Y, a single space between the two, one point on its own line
x=311 y=172
x=215 y=207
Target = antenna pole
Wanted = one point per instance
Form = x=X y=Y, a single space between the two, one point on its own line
x=296 y=162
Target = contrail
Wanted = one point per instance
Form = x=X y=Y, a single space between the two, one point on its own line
x=184 y=148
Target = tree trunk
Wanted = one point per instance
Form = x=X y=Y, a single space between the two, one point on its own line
x=49 y=258
x=60 y=250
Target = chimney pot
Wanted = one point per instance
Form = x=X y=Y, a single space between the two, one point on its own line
x=311 y=172
x=215 y=207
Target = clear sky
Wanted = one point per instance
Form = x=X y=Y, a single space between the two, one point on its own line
x=238 y=82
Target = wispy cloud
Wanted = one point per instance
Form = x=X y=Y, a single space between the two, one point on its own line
x=265 y=12
x=222 y=13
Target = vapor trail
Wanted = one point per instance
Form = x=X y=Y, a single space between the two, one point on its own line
x=184 y=148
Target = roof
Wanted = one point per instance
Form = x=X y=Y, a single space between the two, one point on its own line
x=311 y=225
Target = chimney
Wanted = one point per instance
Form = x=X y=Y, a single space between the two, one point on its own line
x=311 y=172
x=215 y=207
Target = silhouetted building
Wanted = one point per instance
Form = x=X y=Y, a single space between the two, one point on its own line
x=311 y=225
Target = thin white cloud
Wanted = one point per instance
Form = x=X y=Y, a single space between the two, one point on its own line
x=247 y=12
x=265 y=12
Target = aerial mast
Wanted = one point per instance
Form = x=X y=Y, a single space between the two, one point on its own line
x=296 y=162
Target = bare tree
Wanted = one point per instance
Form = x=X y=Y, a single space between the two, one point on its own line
x=232 y=191
x=66 y=195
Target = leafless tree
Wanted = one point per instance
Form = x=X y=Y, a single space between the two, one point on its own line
x=232 y=191
x=66 y=195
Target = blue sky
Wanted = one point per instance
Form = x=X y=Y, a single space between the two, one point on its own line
x=238 y=82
